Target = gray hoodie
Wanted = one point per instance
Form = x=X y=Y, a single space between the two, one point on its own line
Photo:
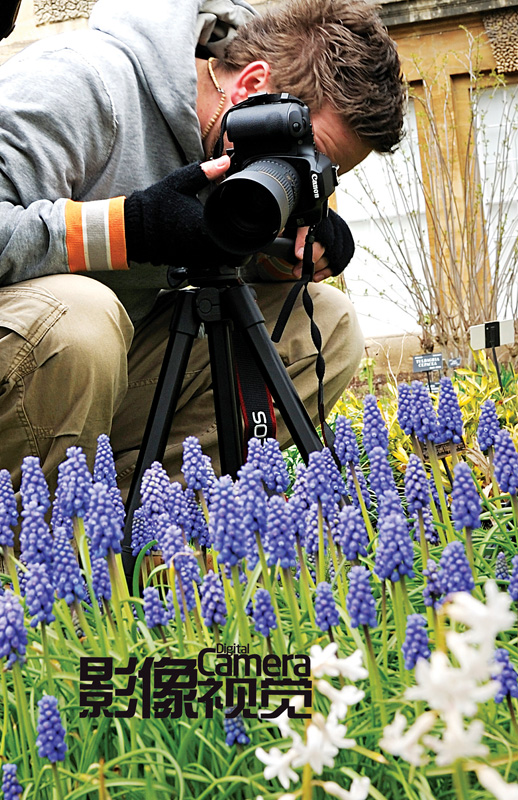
x=97 y=114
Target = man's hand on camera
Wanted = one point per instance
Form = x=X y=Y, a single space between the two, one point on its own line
x=332 y=250
x=164 y=223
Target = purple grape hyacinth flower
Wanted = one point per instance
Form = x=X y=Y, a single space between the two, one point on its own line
x=507 y=678
x=395 y=551
x=101 y=581
x=434 y=589
x=506 y=462
x=8 y=510
x=488 y=425
x=143 y=531
x=424 y=418
x=345 y=443
x=226 y=523
x=51 y=733
x=33 y=484
x=375 y=433
x=154 y=490
x=416 y=642
x=67 y=577
x=450 y=427
x=279 y=543
x=501 y=567
x=13 y=636
x=381 y=478
x=213 y=605
x=74 y=484
x=466 y=504
x=155 y=613
x=10 y=785
x=263 y=616
x=362 y=483
x=275 y=471
x=360 y=603
x=235 y=731
x=103 y=524
x=326 y=613
x=319 y=485
x=417 y=488
x=404 y=409
x=105 y=472
x=39 y=595
x=196 y=467
x=36 y=540
x=456 y=571
x=350 y=533
x=250 y=490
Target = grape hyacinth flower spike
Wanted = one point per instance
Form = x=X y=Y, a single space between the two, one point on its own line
x=506 y=464
x=466 y=505
x=450 y=427
x=375 y=433
x=456 y=569
x=326 y=613
x=105 y=472
x=10 y=785
x=155 y=614
x=416 y=642
x=404 y=409
x=13 y=635
x=263 y=616
x=213 y=605
x=8 y=521
x=51 y=733
x=234 y=727
x=488 y=425
x=33 y=484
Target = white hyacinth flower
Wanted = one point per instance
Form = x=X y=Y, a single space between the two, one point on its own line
x=405 y=743
x=485 y=620
x=494 y=783
x=278 y=765
x=457 y=741
x=476 y=663
x=324 y=738
x=325 y=662
x=446 y=688
x=342 y=698
x=359 y=789
x=283 y=720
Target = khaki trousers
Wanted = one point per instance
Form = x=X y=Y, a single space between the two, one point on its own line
x=72 y=367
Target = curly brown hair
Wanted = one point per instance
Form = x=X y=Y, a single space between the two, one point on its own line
x=330 y=51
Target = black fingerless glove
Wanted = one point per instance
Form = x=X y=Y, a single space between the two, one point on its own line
x=333 y=232
x=164 y=223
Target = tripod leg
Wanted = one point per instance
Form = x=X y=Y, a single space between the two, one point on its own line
x=245 y=312
x=183 y=330
x=226 y=406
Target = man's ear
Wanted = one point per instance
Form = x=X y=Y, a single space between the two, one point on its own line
x=252 y=79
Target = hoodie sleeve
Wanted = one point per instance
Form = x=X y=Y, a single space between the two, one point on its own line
x=57 y=129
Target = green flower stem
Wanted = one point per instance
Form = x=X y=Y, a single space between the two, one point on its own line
x=278 y=633
x=338 y=577
x=82 y=544
x=5 y=698
x=202 y=630
x=321 y=563
x=10 y=561
x=176 y=606
x=514 y=503
x=422 y=539
x=203 y=503
x=434 y=463
x=188 y=625
x=512 y=714
x=406 y=600
x=374 y=675
x=384 y=627
x=363 y=507
x=460 y=781
x=398 y=608
x=304 y=583
x=453 y=454
x=469 y=549
x=116 y=603
x=494 y=484
x=199 y=557
x=90 y=636
x=289 y=589
x=57 y=782
x=244 y=628
x=24 y=720
x=46 y=658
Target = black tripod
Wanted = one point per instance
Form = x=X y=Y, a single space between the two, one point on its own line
x=219 y=303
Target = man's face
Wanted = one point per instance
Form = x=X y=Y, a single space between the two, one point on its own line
x=336 y=140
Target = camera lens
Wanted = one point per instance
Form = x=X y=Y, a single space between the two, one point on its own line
x=248 y=210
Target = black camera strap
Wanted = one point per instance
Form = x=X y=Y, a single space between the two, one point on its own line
x=308 y=269
x=255 y=399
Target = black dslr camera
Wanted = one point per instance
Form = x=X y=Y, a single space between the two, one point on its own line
x=276 y=177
